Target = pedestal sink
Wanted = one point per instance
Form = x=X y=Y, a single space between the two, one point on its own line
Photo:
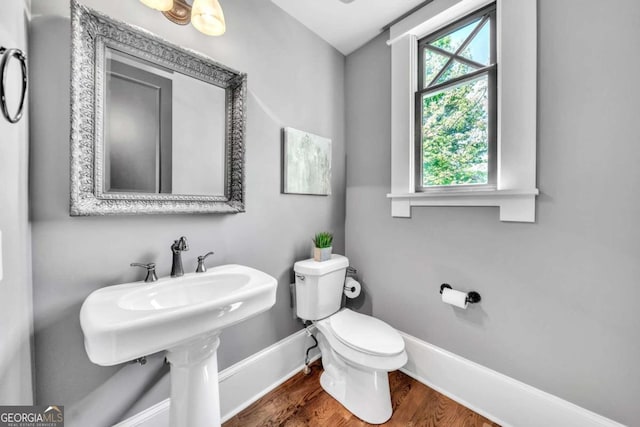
x=182 y=316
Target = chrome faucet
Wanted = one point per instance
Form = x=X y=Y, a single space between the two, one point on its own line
x=151 y=271
x=201 y=268
x=177 y=248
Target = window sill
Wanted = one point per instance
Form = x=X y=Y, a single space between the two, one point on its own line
x=515 y=205
x=517 y=109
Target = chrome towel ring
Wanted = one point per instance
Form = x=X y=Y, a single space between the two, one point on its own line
x=5 y=56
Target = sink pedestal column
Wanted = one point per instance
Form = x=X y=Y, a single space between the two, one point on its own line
x=195 y=398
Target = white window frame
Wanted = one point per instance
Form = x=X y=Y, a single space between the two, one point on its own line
x=515 y=192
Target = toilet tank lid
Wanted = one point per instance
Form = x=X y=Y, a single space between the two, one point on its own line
x=315 y=268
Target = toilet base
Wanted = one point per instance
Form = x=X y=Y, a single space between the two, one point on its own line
x=367 y=398
x=363 y=392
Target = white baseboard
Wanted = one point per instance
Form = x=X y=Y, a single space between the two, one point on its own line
x=495 y=396
x=243 y=383
x=154 y=416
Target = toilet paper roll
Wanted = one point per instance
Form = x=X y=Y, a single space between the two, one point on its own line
x=352 y=287
x=455 y=298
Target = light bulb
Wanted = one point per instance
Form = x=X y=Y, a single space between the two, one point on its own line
x=207 y=17
x=161 y=5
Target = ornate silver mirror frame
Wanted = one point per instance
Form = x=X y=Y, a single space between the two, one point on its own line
x=91 y=32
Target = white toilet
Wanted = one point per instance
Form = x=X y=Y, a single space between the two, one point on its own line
x=357 y=350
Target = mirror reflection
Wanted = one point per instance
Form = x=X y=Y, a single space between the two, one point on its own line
x=155 y=128
x=164 y=132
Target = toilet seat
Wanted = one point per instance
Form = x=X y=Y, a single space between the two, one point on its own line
x=358 y=357
x=365 y=333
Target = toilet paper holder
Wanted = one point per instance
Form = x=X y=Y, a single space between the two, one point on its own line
x=349 y=288
x=351 y=272
x=472 y=297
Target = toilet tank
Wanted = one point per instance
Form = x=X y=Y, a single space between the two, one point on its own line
x=319 y=286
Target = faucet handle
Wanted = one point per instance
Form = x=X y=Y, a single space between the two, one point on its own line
x=151 y=270
x=201 y=267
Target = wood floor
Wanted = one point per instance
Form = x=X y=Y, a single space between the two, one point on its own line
x=301 y=402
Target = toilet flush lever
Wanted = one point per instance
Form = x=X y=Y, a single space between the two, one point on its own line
x=300 y=276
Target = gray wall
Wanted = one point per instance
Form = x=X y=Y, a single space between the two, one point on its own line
x=15 y=286
x=295 y=79
x=559 y=308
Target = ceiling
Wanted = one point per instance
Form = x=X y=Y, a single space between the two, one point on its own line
x=347 y=24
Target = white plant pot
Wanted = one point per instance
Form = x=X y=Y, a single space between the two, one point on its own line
x=322 y=254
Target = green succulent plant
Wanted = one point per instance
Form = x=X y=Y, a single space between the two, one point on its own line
x=323 y=239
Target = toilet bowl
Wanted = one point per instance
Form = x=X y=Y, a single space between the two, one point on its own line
x=356 y=370
x=358 y=351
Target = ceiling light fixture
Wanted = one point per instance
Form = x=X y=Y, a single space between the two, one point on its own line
x=205 y=15
x=161 y=5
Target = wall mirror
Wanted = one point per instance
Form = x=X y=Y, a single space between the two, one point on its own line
x=155 y=128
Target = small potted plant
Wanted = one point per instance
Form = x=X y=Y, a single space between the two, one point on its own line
x=322 y=246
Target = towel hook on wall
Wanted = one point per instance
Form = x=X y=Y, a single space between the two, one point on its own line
x=5 y=56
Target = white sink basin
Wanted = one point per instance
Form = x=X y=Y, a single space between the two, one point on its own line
x=183 y=316
x=197 y=289
x=128 y=321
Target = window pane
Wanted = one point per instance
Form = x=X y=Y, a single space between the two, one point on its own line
x=433 y=63
x=479 y=48
x=452 y=41
x=456 y=69
x=455 y=141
